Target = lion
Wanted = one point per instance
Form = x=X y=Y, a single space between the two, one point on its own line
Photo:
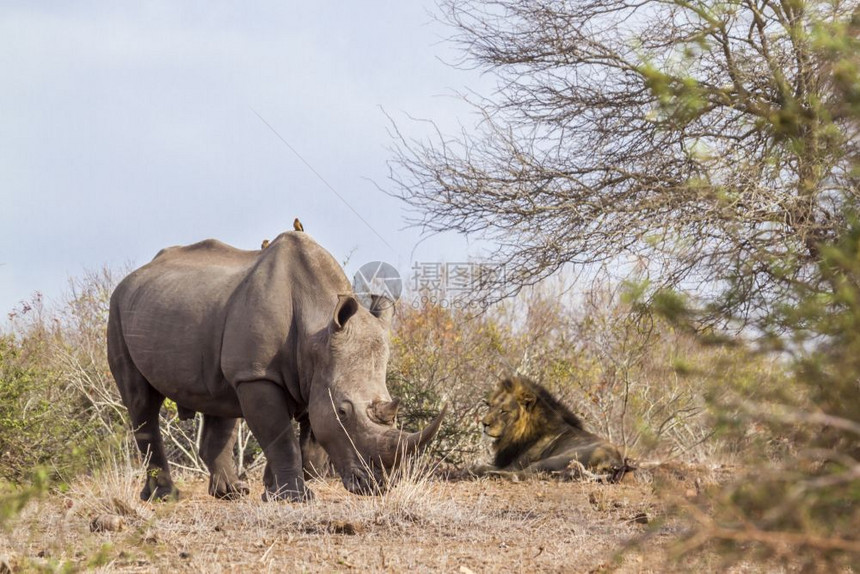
x=534 y=433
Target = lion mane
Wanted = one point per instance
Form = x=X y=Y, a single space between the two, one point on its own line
x=534 y=432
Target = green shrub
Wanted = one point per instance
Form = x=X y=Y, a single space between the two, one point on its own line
x=39 y=425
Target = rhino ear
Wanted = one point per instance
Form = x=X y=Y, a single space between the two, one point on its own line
x=347 y=306
x=382 y=308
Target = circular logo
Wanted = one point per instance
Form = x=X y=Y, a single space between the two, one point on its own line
x=377 y=285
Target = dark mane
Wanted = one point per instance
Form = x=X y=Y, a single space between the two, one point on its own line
x=551 y=403
x=535 y=433
x=511 y=451
x=548 y=417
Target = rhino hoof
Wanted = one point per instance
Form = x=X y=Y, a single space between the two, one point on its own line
x=161 y=493
x=288 y=496
x=233 y=491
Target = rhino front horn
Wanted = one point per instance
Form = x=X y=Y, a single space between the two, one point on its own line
x=398 y=443
x=420 y=439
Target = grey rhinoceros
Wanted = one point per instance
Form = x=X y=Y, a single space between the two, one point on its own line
x=271 y=336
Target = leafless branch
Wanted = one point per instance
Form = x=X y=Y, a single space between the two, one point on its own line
x=694 y=136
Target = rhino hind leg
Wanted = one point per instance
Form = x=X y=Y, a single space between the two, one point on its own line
x=216 y=450
x=143 y=402
x=144 y=411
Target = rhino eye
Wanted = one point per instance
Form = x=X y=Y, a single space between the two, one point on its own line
x=344 y=410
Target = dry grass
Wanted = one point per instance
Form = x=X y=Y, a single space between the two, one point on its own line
x=425 y=524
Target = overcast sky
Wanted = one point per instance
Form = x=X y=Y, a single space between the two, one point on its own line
x=128 y=127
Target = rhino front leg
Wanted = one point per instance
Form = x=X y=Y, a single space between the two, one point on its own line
x=216 y=450
x=269 y=415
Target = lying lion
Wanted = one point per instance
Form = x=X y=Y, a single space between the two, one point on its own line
x=535 y=433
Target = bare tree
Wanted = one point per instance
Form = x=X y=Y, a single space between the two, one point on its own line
x=699 y=137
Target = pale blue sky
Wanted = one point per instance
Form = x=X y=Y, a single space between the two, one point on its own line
x=128 y=127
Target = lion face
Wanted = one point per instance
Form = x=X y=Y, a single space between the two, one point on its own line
x=503 y=411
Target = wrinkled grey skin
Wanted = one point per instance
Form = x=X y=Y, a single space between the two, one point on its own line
x=271 y=336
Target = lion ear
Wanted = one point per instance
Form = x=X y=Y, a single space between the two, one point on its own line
x=507 y=385
x=527 y=399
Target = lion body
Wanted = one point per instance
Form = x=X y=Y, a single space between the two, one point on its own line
x=533 y=433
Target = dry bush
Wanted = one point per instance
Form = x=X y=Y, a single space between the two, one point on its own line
x=441 y=356
x=796 y=502
x=633 y=377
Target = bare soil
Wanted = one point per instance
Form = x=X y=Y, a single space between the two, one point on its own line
x=430 y=524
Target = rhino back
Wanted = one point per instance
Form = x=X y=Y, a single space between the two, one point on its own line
x=278 y=311
x=198 y=320
x=171 y=314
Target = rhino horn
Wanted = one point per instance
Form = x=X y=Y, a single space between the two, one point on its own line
x=398 y=443
x=421 y=438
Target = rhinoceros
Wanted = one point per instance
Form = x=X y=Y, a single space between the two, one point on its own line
x=270 y=335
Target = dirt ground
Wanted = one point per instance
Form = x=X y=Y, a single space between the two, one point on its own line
x=425 y=525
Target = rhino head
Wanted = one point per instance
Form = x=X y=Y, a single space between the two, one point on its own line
x=351 y=413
